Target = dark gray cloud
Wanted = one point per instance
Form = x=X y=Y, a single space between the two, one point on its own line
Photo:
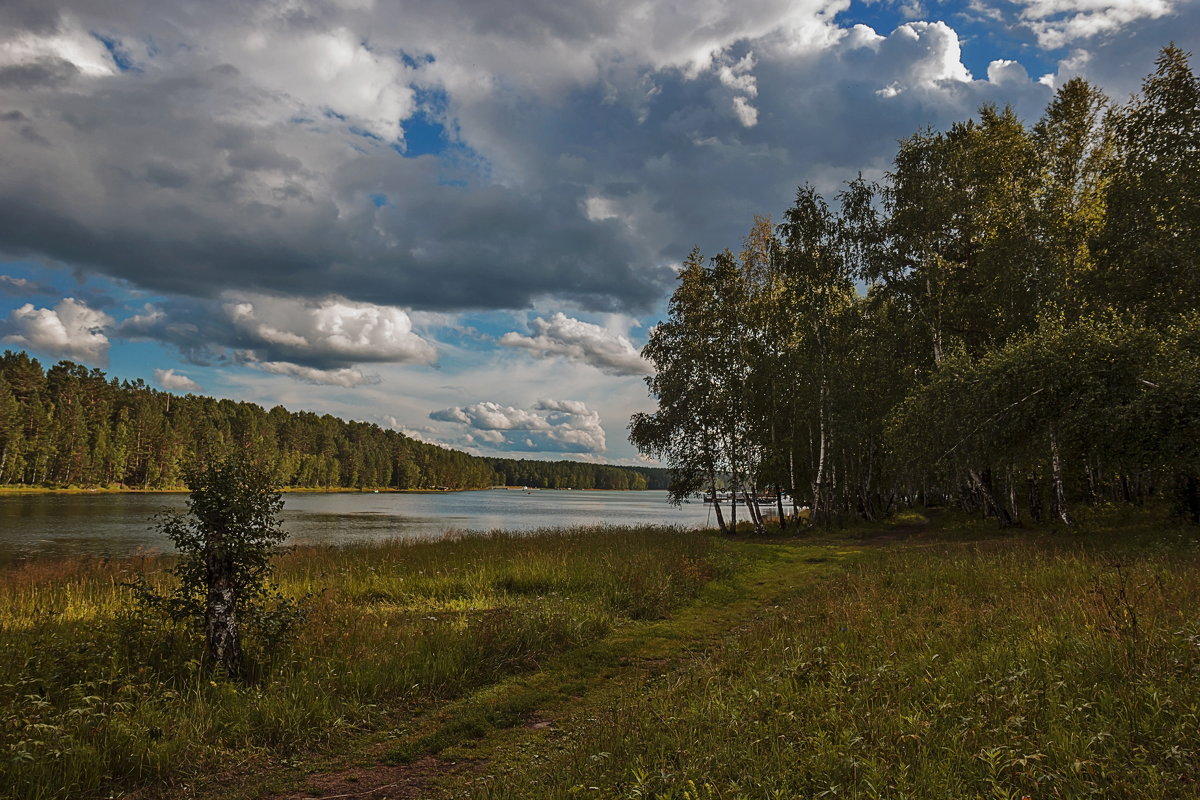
x=200 y=149
x=41 y=72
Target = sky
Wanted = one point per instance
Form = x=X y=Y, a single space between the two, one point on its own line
x=460 y=219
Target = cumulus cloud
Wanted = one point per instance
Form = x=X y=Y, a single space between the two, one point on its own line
x=1058 y=23
x=920 y=55
x=347 y=377
x=565 y=426
x=174 y=381
x=328 y=331
x=69 y=330
x=272 y=148
x=315 y=341
x=583 y=342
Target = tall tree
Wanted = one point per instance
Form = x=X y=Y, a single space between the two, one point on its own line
x=1150 y=244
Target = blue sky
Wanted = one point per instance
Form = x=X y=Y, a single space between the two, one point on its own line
x=460 y=218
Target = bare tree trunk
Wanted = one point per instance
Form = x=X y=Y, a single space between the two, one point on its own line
x=1058 y=494
x=1035 y=497
x=779 y=507
x=750 y=497
x=792 y=481
x=720 y=514
x=1012 y=496
x=1093 y=488
x=733 y=509
x=818 y=488
x=868 y=512
x=223 y=644
x=712 y=482
x=989 y=500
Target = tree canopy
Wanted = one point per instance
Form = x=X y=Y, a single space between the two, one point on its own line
x=1010 y=316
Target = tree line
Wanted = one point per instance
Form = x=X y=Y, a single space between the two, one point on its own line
x=1007 y=321
x=73 y=426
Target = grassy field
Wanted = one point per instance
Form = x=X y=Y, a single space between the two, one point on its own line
x=95 y=701
x=913 y=661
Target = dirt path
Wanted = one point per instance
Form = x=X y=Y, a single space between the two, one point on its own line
x=437 y=752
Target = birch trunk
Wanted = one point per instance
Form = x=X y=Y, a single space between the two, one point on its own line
x=712 y=482
x=1012 y=497
x=1058 y=494
x=223 y=643
x=818 y=488
x=1035 y=497
x=720 y=514
x=989 y=500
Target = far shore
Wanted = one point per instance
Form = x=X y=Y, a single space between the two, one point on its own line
x=11 y=490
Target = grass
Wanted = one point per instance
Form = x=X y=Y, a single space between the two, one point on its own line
x=957 y=662
x=1038 y=666
x=95 y=700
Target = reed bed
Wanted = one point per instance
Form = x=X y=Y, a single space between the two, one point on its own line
x=97 y=699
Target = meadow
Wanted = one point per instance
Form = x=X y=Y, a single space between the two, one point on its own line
x=954 y=665
x=911 y=660
x=97 y=700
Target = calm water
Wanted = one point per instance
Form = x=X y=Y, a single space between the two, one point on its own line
x=120 y=524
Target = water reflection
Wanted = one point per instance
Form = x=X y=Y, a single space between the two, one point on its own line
x=122 y=524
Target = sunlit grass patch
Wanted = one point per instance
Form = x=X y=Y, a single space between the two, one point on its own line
x=1001 y=669
x=95 y=699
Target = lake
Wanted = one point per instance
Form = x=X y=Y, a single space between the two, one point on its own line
x=116 y=525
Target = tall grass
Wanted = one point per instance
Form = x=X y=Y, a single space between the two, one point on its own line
x=96 y=699
x=996 y=670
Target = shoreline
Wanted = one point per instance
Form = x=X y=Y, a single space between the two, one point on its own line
x=14 y=490
x=24 y=490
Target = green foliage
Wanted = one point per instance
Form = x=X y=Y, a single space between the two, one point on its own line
x=226 y=542
x=1028 y=321
x=73 y=426
x=94 y=703
x=1000 y=669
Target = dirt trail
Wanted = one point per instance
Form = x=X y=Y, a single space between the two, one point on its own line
x=375 y=781
x=626 y=658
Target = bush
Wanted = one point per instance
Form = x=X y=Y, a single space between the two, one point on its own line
x=226 y=541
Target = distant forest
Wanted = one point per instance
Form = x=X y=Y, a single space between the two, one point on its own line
x=73 y=426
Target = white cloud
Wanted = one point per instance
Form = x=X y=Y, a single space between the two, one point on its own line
x=746 y=113
x=1058 y=23
x=333 y=69
x=72 y=44
x=1003 y=71
x=171 y=380
x=565 y=426
x=922 y=55
x=347 y=377
x=583 y=342
x=331 y=330
x=69 y=330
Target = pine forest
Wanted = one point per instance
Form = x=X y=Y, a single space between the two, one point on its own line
x=72 y=426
